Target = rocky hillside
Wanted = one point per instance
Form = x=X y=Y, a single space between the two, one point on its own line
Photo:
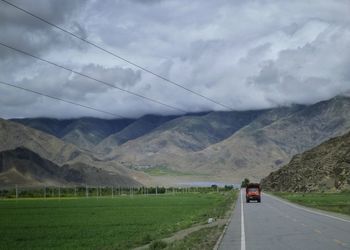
x=270 y=141
x=23 y=167
x=184 y=134
x=136 y=129
x=323 y=168
x=14 y=135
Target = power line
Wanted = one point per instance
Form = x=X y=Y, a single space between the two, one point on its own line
x=62 y=100
x=92 y=78
x=119 y=57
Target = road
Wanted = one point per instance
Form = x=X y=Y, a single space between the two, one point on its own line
x=277 y=224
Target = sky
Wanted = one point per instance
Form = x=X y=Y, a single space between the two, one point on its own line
x=243 y=54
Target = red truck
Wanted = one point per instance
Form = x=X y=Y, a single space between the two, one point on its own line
x=253 y=192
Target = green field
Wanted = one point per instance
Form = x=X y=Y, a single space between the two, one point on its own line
x=122 y=222
x=334 y=202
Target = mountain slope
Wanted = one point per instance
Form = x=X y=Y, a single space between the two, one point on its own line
x=254 y=151
x=226 y=145
x=88 y=132
x=23 y=167
x=14 y=135
x=83 y=132
x=187 y=159
x=264 y=144
x=325 y=167
x=185 y=134
x=136 y=129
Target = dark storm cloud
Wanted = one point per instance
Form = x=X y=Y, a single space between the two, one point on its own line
x=30 y=34
x=246 y=54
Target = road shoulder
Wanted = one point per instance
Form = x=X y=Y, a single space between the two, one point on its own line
x=337 y=216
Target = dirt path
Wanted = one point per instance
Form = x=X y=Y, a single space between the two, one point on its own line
x=179 y=235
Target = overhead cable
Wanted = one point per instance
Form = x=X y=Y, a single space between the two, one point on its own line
x=92 y=78
x=62 y=100
x=167 y=80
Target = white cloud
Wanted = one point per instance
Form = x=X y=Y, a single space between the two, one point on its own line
x=246 y=54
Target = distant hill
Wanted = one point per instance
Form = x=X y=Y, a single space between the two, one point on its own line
x=23 y=167
x=323 y=168
x=261 y=145
x=137 y=128
x=183 y=135
x=83 y=132
x=272 y=139
x=14 y=135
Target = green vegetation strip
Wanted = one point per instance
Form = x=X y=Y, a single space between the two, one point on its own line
x=164 y=171
x=204 y=239
x=334 y=202
x=104 y=223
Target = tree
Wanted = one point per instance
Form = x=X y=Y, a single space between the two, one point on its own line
x=245 y=182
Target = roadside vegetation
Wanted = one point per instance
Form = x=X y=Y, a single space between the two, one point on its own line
x=334 y=202
x=165 y=171
x=162 y=170
x=204 y=239
x=122 y=222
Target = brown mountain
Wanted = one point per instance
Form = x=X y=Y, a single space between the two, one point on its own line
x=258 y=147
x=138 y=128
x=14 y=135
x=323 y=168
x=262 y=147
x=23 y=167
x=184 y=134
x=85 y=132
x=222 y=145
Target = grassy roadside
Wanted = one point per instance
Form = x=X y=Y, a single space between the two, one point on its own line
x=105 y=223
x=334 y=202
x=203 y=239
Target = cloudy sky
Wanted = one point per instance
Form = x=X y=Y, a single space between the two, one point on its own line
x=243 y=54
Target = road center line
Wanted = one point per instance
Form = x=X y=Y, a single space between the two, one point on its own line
x=307 y=210
x=242 y=225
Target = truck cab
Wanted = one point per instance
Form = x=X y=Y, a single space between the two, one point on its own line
x=253 y=192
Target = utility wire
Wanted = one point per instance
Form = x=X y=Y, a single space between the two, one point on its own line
x=119 y=57
x=62 y=100
x=92 y=78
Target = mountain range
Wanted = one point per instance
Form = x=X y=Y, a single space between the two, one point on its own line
x=220 y=146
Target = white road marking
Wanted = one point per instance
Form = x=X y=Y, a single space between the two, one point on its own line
x=242 y=225
x=308 y=210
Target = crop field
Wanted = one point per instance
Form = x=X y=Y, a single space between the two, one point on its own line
x=334 y=202
x=121 y=222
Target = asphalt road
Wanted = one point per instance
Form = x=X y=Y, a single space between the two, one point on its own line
x=276 y=224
